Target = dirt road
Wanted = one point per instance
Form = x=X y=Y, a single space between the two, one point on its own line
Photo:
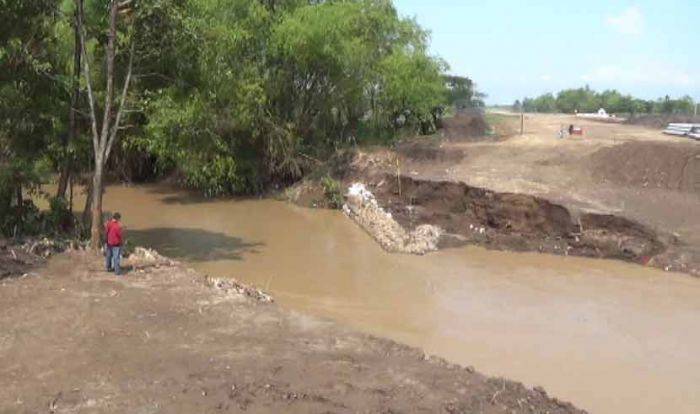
x=75 y=339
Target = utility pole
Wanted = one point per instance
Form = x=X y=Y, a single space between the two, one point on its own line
x=522 y=116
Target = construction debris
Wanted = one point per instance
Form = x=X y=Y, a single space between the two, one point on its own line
x=142 y=258
x=683 y=130
x=362 y=207
x=231 y=285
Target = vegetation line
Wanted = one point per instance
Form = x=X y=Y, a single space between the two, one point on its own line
x=227 y=96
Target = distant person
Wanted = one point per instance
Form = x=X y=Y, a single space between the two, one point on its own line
x=571 y=129
x=114 y=235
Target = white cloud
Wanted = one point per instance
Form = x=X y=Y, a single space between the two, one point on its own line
x=652 y=73
x=629 y=22
x=546 y=77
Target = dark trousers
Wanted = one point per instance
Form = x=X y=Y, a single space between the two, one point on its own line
x=113 y=259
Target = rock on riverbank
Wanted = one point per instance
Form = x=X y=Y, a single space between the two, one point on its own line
x=362 y=207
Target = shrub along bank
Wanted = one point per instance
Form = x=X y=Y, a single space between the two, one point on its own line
x=229 y=96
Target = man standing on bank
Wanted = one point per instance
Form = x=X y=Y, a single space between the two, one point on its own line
x=115 y=239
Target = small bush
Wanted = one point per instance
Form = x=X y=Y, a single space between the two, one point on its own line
x=59 y=218
x=332 y=192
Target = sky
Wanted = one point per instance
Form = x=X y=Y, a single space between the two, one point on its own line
x=513 y=49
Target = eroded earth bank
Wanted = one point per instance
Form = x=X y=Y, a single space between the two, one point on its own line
x=166 y=339
x=619 y=192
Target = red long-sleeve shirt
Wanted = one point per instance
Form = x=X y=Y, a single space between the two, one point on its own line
x=113 y=231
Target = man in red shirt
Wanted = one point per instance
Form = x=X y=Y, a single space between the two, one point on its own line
x=115 y=238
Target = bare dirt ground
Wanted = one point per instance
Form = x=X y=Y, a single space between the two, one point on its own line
x=76 y=339
x=621 y=169
x=624 y=170
x=619 y=191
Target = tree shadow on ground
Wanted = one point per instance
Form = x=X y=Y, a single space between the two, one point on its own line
x=194 y=244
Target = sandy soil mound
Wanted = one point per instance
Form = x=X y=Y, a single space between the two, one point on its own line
x=426 y=151
x=75 y=339
x=513 y=221
x=465 y=126
x=649 y=165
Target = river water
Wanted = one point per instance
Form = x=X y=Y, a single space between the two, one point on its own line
x=610 y=337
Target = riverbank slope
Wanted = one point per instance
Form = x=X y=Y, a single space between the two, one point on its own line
x=619 y=191
x=163 y=339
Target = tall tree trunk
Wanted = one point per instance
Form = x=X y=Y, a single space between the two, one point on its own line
x=101 y=148
x=88 y=206
x=96 y=208
x=19 y=225
x=70 y=195
x=73 y=111
x=103 y=139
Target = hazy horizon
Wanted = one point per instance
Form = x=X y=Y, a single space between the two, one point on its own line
x=512 y=50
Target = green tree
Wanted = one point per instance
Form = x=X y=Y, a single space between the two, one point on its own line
x=581 y=100
x=30 y=100
x=235 y=95
x=462 y=93
x=282 y=83
x=104 y=132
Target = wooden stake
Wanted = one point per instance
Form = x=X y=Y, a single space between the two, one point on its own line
x=398 y=174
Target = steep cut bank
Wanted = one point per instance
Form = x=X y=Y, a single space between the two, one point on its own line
x=166 y=339
x=514 y=221
x=520 y=222
x=500 y=220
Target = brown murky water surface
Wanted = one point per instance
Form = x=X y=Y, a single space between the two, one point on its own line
x=608 y=336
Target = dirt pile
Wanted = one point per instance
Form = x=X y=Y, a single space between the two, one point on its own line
x=673 y=166
x=75 y=339
x=465 y=126
x=513 y=221
x=428 y=151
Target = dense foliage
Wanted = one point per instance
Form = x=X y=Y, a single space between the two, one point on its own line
x=31 y=95
x=587 y=100
x=272 y=86
x=462 y=93
x=232 y=96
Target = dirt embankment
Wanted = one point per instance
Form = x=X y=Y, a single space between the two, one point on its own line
x=164 y=339
x=671 y=166
x=514 y=221
x=465 y=126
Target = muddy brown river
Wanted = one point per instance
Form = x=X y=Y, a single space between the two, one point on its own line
x=610 y=337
